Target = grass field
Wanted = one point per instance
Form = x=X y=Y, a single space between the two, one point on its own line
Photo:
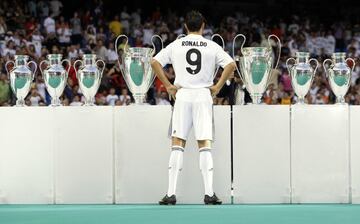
x=120 y=214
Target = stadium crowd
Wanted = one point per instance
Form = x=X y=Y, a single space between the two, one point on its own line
x=39 y=27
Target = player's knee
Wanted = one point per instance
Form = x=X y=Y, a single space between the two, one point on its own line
x=204 y=144
x=178 y=142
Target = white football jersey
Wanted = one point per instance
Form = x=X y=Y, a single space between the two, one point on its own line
x=194 y=60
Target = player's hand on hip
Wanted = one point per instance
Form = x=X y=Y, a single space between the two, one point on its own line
x=172 y=91
x=214 y=90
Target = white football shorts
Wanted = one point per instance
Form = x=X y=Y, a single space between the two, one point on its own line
x=193 y=108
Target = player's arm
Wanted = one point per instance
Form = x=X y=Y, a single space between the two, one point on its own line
x=225 y=75
x=157 y=64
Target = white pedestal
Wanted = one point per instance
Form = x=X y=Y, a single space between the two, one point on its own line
x=26 y=156
x=142 y=154
x=320 y=153
x=83 y=155
x=355 y=153
x=261 y=156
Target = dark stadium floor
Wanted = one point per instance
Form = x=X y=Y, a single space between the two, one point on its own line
x=121 y=214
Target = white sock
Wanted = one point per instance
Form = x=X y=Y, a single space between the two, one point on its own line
x=206 y=167
x=175 y=166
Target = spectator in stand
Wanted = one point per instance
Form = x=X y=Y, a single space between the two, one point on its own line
x=115 y=26
x=46 y=28
x=124 y=97
x=35 y=98
x=76 y=36
x=163 y=98
x=76 y=101
x=101 y=50
x=112 y=97
x=4 y=90
x=64 y=32
x=49 y=24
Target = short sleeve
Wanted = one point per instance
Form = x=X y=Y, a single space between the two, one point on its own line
x=222 y=58
x=164 y=56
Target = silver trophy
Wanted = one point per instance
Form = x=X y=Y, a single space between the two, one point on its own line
x=21 y=77
x=55 y=76
x=135 y=65
x=256 y=64
x=89 y=76
x=302 y=73
x=339 y=75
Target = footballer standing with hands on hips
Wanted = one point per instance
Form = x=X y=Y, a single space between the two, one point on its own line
x=194 y=60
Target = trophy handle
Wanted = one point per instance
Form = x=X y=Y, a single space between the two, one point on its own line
x=353 y=63
x=279 y=47
x=352 y=69
x=181 y=36
x=103 y=68
x=76 y=70
x=116 y=42
x=69 y=63
x=68 y=70
x=153 y=43
x=324 y=65
x=316 y=67
x=289 y=66
x=315 y=61
x=220 y=37
x=116 y=46
x=35 y=68
x=223 y=47
x=6 y=67
x=233 y=54
x=40 y=66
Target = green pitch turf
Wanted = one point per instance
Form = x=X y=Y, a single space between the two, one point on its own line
x=154 y=214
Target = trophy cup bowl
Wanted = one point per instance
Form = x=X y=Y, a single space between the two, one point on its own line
x=302 y=74
x=55 y=76
x=135 y=66
x=256 y=64
x=89 y=76
x=339 y=75
x=21 y=77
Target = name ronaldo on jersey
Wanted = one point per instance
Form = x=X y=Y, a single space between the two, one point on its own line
x=193 y=43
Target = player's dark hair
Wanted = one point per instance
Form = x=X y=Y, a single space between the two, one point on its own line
x=194 y=21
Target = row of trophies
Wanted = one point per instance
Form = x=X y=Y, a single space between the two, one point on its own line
x=256 y=64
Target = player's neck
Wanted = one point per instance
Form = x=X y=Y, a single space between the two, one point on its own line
x=195 y=33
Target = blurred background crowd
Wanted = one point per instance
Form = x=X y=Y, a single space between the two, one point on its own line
x=39 y=27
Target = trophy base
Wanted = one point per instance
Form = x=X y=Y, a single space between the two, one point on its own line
x=340 y=101
x=301 y=102
x=256 y=99
x=55 y=103
x=89 y=102
x=20 y=103
x=139 y=99
x=89 y=105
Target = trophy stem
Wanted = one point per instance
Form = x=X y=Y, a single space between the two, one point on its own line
x=20 y=102
x=340 y=100
x=301 y=100
x=256 y=99
x=139 y=99
x=90 y=102
x=55 y=102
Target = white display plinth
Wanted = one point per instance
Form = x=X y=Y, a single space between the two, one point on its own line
x=142 y=154
x=320 y=153
x=261 y=154
x=26 y=155
x=355 y=153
